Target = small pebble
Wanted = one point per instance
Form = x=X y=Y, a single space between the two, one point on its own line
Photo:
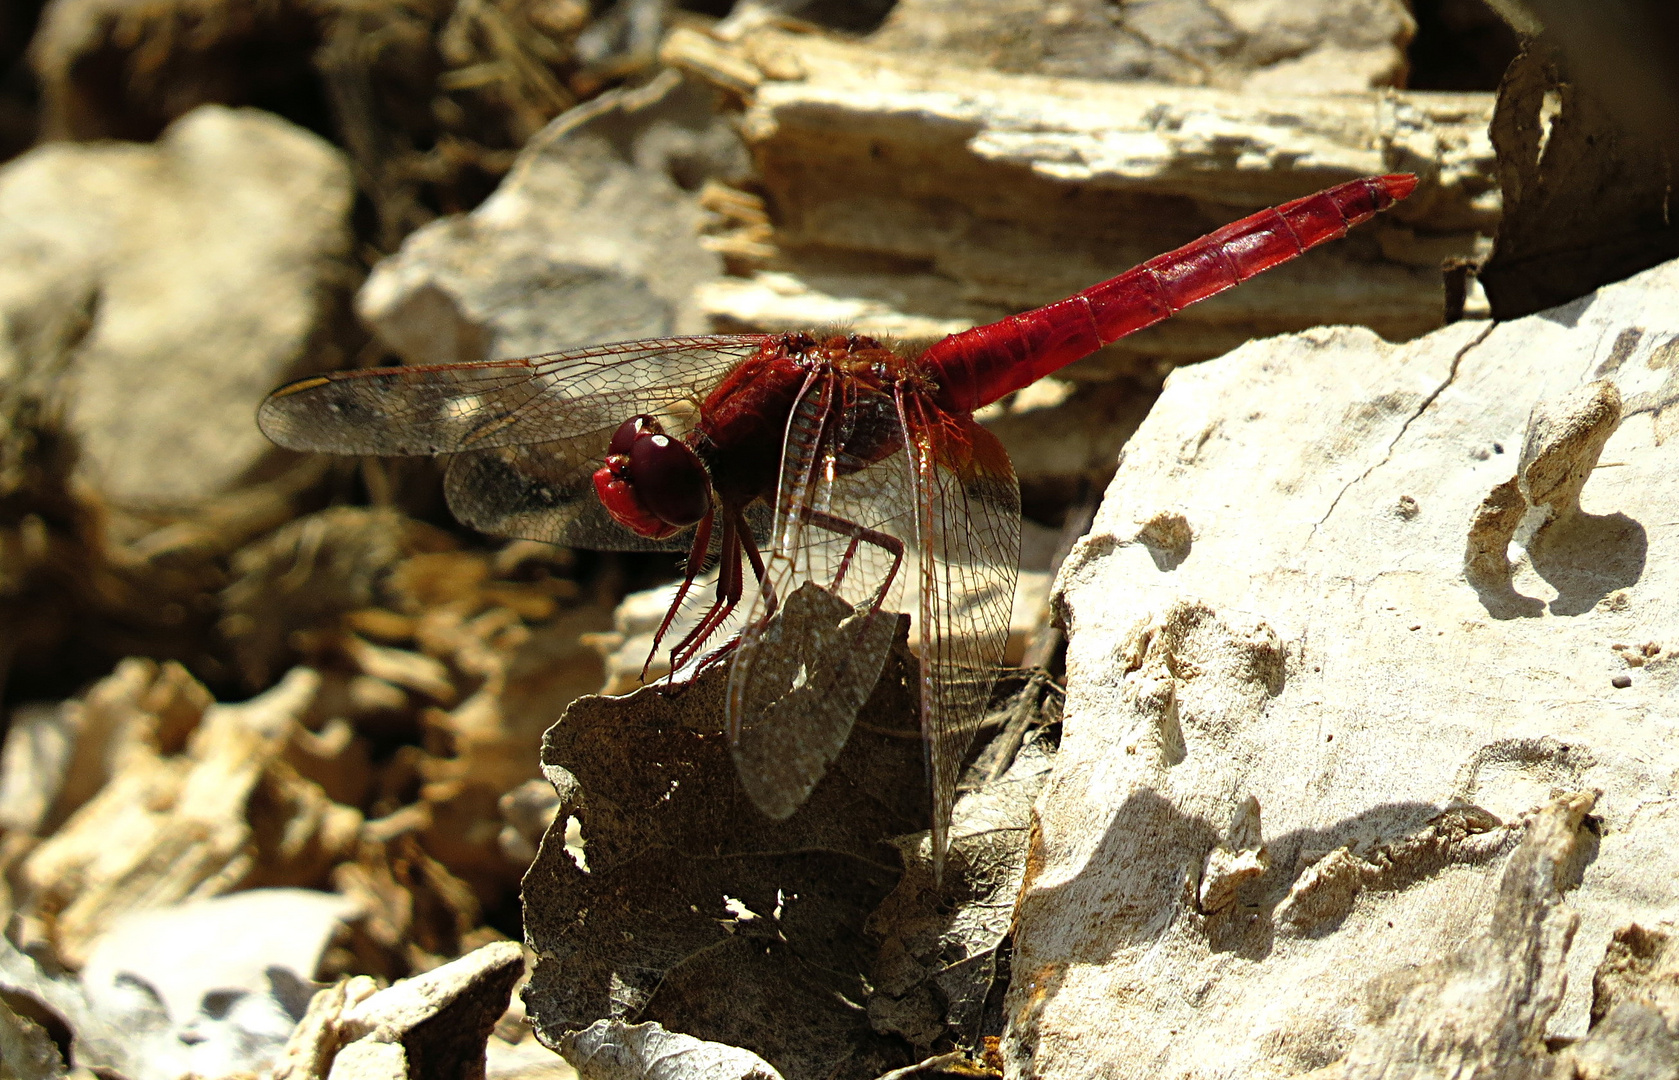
x=1621 y=682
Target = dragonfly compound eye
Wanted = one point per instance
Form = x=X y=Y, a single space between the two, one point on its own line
x=669 y=479
x=631 y=430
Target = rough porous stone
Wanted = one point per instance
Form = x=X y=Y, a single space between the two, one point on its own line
x=430 y=1027
x=209 y=267
x=1362 y=611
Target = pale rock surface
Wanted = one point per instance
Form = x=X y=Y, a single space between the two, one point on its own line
x=1315 y=46
x=913 y=197
x=190 y=811
x=214 y=987
x=26 y=1048
x=590 y=238
x=1350 y=617
x=209 y=266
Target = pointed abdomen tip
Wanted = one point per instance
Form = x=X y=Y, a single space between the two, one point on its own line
x=1399 y=185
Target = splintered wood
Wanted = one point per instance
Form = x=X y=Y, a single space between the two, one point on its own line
x=911 y=199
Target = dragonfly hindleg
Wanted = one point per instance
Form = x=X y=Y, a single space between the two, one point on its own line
x=860 y=535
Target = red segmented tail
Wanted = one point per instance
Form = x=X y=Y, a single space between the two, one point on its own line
x=978 y=366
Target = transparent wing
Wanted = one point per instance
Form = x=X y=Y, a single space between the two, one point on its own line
x=542 y=492
x=967 y=535
x=450 y=408
x=546 y=492
x=836 y=563
x=527 y=434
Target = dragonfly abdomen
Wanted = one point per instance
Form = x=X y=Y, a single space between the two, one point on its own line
x=979 y=366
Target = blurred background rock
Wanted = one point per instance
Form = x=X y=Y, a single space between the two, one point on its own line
x=203 y=198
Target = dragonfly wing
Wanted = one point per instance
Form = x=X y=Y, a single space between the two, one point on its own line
x=967 y=537
x=541 y=492
x=451 y=408
x=526 y=434
x=802 y=670
x=546 y=492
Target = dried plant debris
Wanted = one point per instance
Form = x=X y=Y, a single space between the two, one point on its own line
x=687 y=911
x=380 y=771
x=695 y=910
x=430 y=98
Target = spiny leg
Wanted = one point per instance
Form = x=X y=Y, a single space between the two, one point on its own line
x=743 y=534
x=690 y=570
x=729 y=590
x=860 y=535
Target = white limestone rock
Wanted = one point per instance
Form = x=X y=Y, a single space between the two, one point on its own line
x=1397 y=597
x=913 y=197
x=1314 y=46
x=213 y=987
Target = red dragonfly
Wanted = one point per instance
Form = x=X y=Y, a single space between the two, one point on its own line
x=834 y=467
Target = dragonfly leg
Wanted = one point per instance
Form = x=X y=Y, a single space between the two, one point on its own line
x=690 y=570
x=860 y=535
x=755 y=559
x=730 y=587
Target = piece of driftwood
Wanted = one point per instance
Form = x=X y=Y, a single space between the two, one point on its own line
x=1361 y=611
x=911 y=199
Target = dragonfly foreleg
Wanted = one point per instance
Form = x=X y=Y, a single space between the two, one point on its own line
x=690 y=570
x=730 y=588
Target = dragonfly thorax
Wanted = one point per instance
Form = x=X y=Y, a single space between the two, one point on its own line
x=652 y=484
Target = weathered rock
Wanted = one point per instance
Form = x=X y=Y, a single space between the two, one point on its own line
x=29 y=988
x=1314 y=47
x=590 y=238
x=1481 y=1009
x=212 y=262
x=58 y=756
x=189 y=813
x=1635 y=1009
x=431 y=1027
x=214 y=987
x=1295 y=593
x=913 y=199
x=27 y=1049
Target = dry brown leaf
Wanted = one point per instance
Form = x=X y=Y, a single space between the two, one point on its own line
x=698 y=912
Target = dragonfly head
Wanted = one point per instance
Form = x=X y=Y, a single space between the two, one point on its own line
x=652 y=484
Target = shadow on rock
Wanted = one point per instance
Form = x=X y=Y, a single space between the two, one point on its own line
x=1586 y=557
